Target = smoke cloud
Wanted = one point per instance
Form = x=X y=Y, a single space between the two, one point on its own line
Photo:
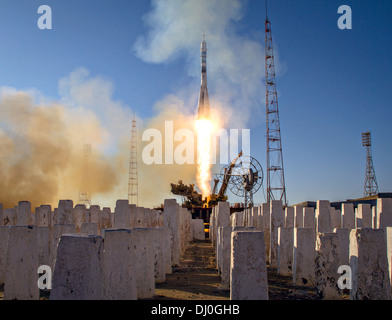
x=235 y=61
x=42 y=158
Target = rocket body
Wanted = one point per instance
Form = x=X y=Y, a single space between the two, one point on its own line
x=204 y=102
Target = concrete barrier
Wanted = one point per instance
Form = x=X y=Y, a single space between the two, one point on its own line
x=285 y=251
x=369 y=265
x=89 y=228
x=304 y=255
x=21 y=264
x=248 y=275
x=4 y=234
x=197 y=227
x=277 y=221
x=119 y=265
x=145 y=273
x=327 y=265
x=78 y=270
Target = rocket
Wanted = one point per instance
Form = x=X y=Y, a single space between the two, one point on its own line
x=203 y=108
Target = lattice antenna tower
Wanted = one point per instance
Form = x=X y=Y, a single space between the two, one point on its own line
x=133 y=171
x=276 y=189
x=371 y=187
x=84 y=193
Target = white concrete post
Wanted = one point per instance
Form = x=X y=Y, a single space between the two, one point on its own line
x=299 y=216
x=323 y=217
x=21 y=263
x=145 y=273
x=384 y=213
x=364 y=212
x=348 y=216
x=289 y=217
x=327 y=265
x=277 y=221
x=4 y=234
x=266 y=219
x=78 y=270
x=65 y=211
x=285 y=251
x=304 y=255
x=23 y=214
x=369 y=265
x=248 y=274
x=119 y=267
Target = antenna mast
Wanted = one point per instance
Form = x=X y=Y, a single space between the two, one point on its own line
x=276 y=189
x=133 y=172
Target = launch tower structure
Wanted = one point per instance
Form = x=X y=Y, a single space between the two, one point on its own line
x=133 y=181
x=276 y=189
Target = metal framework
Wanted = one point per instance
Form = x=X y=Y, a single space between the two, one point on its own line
x=371 y=187
x=84 y=193
x=276 y=189
x=133 y=171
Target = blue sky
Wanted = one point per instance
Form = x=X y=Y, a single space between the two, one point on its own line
x=333 y=84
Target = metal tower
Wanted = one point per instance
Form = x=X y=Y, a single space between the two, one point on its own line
x=133 y=172
x=84 y=193
x=276 y=189
x=371 y=187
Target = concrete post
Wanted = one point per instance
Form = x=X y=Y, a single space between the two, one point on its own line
x=369 y=265
x=145 y=273
x=277 y=221
x=299 y=216
x=344 y=245
x=43 y=216
x=4 y=234
x=94 y=214
x=122 y=214
x=172 y=221
x=309 y=218
x=225 y=259
x=65 y=211
x=323 y=218
x=21 y=262
x=1 y=215
x=55 y=234
x=327 y=265
x=289 y=217
x=80 y=215
x=119 y=268
x=389 y=252
x=89 y=228
x=364 y=214
x=78 y=271
x=285 y=251
x=197 y=226
x=384 y=213
x=266 y=219
x=23 y=214
x=336 y=219
x=248 y=275
x=348 y=216
x=304 y=255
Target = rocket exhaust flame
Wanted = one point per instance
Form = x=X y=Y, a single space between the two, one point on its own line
x=204 y=134
x=204 y=128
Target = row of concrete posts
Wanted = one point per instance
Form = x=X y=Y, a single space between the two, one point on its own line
x=94 y=253
x=327 y=248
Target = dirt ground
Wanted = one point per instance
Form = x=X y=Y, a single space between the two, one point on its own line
x=196 y=278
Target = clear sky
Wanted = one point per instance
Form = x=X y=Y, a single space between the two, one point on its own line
x=333 y=84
